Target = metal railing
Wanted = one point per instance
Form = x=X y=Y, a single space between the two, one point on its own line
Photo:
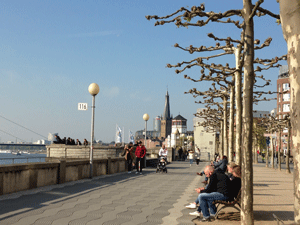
x=22 y=160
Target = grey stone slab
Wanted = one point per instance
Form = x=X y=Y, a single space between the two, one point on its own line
x=127 y=214
x=116 y=221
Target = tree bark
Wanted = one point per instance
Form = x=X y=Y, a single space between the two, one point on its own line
x=238 y=105
x=267 y=156
x=231 y=123
x=287 y=158
x=290 y=17
x=279 y=151
x=247 y=167
x=272 y=152
x=221 y=152
x=225 y=132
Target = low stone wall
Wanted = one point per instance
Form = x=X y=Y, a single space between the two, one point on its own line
x=19 y=177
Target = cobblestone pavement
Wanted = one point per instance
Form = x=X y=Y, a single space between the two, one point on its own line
x=150 y=198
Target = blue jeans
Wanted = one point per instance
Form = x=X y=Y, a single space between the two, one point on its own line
x=191 y=161
x=206 y=202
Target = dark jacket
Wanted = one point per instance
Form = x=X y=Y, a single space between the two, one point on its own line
x=235 y=187
x=140 y=151
x=221 y=166
x=219 y=182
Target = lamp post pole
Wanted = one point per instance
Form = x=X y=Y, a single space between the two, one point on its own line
x=146 y=118
x=93 y=90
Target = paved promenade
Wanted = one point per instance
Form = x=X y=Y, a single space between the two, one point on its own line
x=150 y=198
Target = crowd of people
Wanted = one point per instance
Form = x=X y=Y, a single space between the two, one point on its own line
x=69 y=141
x=224 y=184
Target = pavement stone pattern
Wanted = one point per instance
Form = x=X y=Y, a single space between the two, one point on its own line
x=122 y=198
x=149 y=199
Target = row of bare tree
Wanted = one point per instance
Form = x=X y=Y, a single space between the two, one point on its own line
x=234 y=86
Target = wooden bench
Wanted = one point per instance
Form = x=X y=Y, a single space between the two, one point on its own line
x=225 y=204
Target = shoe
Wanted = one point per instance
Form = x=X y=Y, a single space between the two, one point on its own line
x=191 y=206
x=129 y=172
x=140 y=173
x=212 y=217
x=196 y=213
x=204 y=219
x=136 y=172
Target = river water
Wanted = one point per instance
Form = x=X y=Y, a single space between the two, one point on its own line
x=8 y=158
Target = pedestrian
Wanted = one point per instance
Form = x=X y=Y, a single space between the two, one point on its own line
x=128 y=156
x=197 y=156
x=140 y=153
x=191 y=156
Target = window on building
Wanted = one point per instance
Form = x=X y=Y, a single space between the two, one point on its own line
x=286 y=108
x=279 y=98
x=279 y=89
x=210 y=143
x=280 y=117
x=286 y=97
x=279 y=108
x=286 y=87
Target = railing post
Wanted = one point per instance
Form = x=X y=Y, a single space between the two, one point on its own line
x=62 y=171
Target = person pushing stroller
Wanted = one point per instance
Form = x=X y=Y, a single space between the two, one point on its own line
x=162 y=159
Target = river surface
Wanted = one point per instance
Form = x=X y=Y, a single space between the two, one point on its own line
x=8 y=158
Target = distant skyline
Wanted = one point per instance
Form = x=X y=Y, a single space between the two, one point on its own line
x=52 y=50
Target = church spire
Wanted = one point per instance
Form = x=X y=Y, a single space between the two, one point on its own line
x=166 y=115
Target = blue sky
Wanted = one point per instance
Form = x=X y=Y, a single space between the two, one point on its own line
x=52 y=50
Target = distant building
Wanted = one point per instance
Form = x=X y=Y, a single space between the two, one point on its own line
x=179 y=129
x=260 y=114
x=205 y=141
x=166 y=120
x=157 y=124
x=283 y=100
x=283 y=95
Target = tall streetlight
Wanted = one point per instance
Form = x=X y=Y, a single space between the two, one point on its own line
x=146 y=118
x=94 y=90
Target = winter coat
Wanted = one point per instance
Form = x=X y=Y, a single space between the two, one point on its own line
x=140 y=151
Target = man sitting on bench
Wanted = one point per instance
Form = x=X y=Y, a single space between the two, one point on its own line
x=217 y=189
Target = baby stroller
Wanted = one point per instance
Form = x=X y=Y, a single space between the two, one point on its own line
x=161 y=165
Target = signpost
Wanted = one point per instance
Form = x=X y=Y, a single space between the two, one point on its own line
x=82 y=106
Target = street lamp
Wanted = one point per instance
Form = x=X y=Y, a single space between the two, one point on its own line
x=146 y=118
x=94 y=90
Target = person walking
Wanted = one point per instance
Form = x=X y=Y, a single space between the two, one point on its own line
x=191 y=157
x=140 y=153
x=197 y=156
x=128 y=157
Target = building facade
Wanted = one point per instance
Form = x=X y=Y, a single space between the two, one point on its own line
x=205 y=141
x=283 y=92
x=179 y=130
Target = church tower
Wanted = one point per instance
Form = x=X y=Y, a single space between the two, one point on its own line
x=166 y=120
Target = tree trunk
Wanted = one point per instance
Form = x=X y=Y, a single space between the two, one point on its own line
x=221 y=152
x=290 y=17
x=267 y=156
x=247 y=167
x=255 y=149
x=225 y=132
x=238 y=105
x=231 y=123
x=272 y=152
x=287 y=158
x=279 y=151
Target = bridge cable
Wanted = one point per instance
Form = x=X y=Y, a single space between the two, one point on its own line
x=23 y=127
x=12 y=135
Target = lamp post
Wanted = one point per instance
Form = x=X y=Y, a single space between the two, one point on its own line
x=146 y=118
x=93 y=90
